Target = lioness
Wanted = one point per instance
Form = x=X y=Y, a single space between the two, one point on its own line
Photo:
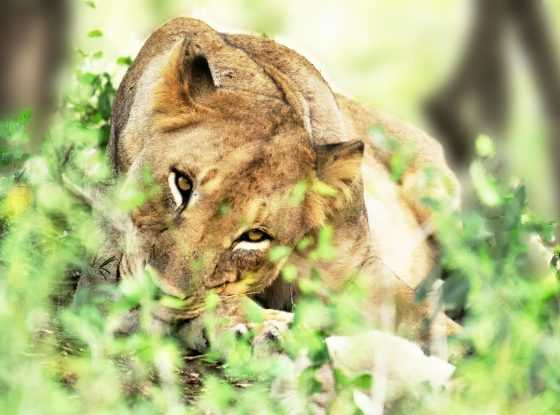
x=229 y=125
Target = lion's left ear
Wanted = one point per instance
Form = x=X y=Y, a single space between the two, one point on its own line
x=339 y=167
x=196 y=76
x=187 y=81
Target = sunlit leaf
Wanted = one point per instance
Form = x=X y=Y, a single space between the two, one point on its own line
x=95 y=33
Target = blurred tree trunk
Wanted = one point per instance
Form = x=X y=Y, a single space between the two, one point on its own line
x=475 y=98
x=537 y=40
x=32 y=47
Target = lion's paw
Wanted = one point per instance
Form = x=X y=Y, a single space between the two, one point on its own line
x=268 y=333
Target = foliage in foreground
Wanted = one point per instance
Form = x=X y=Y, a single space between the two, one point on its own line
x=57 y=357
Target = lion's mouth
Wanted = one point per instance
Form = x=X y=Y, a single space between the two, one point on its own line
x=173 y=309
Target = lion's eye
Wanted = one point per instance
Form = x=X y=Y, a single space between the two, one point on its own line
x=181 y=188
x=254 y=235
x=254 y=240
x=184 y=184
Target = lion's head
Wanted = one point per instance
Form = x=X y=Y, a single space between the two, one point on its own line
x=227 y=141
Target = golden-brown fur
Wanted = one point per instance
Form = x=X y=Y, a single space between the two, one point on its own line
x=249 y=120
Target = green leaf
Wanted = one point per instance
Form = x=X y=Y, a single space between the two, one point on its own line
x=24 y=116
x=87 y=78
x=124 y=60
x=309 y=286
x=362 y=381
x=81 y=53
x=304 y=243
x=105 y=102
x=399 y=162
x=485 y=146
x=278 y=253
x=325 y=250
x=172 y=302
x=253 y=311
x=485 y=185
x=323 y=189
x=224 y=208
x=212 y=301
x=297 y=195
x=95 y=33
x=289 y=272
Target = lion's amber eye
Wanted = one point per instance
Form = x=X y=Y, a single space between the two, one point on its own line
x=183 y=184
x=181 y=187
x=253 y=240
x=255 y=235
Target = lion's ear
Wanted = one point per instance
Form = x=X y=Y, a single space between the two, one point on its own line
x=339 y=168
x=187 y=81
x=195 y=73
x=338 y=165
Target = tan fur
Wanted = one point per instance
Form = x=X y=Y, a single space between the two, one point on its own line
x=249 y=120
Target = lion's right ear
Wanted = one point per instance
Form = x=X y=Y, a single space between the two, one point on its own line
x=339 y=165
x=339 y=168
x=186 y=84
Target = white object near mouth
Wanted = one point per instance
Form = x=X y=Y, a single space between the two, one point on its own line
x=404 y=364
